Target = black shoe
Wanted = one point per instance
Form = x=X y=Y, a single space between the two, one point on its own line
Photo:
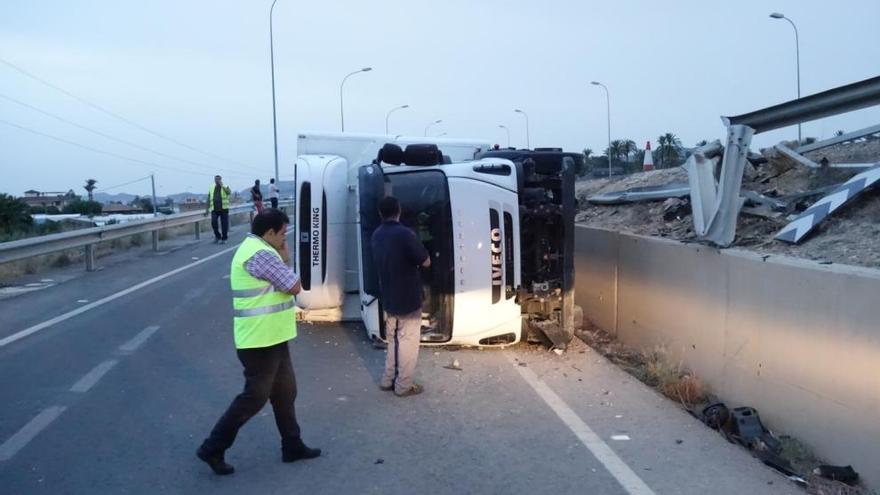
x=216 y=241
x=416 y=389
x=299 y=452
x=218 y=465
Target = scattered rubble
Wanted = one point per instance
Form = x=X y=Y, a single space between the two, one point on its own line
x=775 y=190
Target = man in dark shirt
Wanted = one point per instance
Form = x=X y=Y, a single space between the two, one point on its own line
x=398 y=254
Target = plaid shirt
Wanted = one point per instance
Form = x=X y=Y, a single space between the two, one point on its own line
x=266 y=266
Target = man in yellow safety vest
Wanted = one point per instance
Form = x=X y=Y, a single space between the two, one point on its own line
x=218 y=205
x=263 y=287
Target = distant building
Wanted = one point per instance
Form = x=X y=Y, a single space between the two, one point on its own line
x=43 y=199
x=192 y=204
x=117 y=208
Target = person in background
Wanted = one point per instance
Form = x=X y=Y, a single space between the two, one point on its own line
x=273 y=193
x=218 y=205
x=264 y=320
x=257 y=196
x=398 y=256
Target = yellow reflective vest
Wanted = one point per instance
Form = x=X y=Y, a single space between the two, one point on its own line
x=262 y=316
x=224 y=197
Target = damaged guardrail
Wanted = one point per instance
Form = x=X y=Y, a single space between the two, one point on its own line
x=87 y=238
x=715 y=193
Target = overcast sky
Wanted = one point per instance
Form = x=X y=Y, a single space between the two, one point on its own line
x=197 y=71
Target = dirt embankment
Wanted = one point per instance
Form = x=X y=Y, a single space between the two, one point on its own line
x=850 y=236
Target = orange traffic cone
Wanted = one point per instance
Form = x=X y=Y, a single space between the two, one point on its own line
x=648 y=164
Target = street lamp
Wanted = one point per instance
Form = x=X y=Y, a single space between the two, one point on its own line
x=431 y=125
x=272 y=63
x=341 y=102
x=797 y=48
x=528 y=144
x=608 y=105
x=401 y=107
x=508 y=133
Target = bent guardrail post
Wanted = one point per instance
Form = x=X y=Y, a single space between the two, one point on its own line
x=717 y=205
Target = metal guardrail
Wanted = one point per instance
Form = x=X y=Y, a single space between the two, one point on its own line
x=835 y=101
x=87 y=238
x=849 y=136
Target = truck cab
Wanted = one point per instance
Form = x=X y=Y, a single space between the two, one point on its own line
x=490 y=282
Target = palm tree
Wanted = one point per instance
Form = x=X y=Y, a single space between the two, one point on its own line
x=615 y=149
x=89 y=187
x=669 y=146
x=628 y=147
x=587 y=153
x=702 y=142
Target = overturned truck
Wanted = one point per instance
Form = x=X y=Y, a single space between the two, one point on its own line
x=499 y=227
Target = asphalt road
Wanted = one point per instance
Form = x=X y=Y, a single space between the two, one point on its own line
x=116 y=398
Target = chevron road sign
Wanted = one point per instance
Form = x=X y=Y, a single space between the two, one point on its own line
x=802 y=225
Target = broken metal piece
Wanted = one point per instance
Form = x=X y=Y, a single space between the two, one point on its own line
x=553 y=332
x=795 y=231
x=647 y=193
x=716 y=204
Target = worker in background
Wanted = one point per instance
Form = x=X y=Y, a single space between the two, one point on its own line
x=264 y=321
x=273 y=193
x=398 y=256
x=257 y=196
x=218 y=205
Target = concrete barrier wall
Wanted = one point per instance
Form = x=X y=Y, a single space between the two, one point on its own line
x=797 y=340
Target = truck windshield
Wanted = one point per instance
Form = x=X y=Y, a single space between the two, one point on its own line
x=424 y=203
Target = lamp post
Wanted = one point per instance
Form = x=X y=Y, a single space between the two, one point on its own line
x=797 y=51
x=528 y=144
x=272 y=63
x=341 y=101
x=608 y=105
x=388 y=114
x=431 y=125
x=508 y=133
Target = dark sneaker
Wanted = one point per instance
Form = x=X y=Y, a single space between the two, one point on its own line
x=416 y=389
x=218 y=465
x=299 y=452
x=216 y=241
x=387 y=388
x=223 y=241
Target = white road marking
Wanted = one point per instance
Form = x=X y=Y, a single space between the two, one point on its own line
x=627 y=478
x=82 y=301
x=620 y=438
x=138 y=339
x=91 y=378
x=27 y=433
x=82 y=309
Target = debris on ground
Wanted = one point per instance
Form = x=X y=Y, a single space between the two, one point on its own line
x=742 y=425
x=775 y=190
x=454 y=365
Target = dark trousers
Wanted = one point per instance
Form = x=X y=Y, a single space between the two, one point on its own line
x=274 y=202
x=269 y=376
x=223 y=215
